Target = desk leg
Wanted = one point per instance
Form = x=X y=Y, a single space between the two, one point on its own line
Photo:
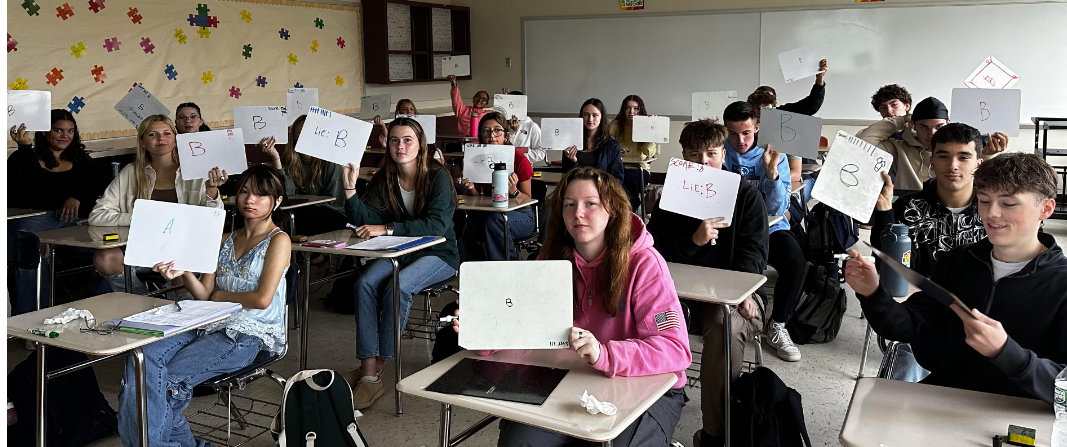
x=446 y=425
x=727 y=331
x=42 y=390
x=397 y=330
x=38 y=275
x=127 y=274
x=866 y=347
x=142 y=398
x=507 y=238
x=306 y=294
x=292 y=231
x=51 y=277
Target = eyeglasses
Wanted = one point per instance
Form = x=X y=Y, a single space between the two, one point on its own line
x=91 y=326
x=481 y=98
x=494 y=132
x=188 y=118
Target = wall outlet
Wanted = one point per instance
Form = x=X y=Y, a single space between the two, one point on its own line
x=507 y=62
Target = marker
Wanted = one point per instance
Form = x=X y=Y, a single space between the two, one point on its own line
x=350 y=226
x=449 y=319
x=845 y=257
x=44 y=333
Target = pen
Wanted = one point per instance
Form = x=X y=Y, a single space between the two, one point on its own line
x=44 y=333
x=350 y=226
x=449 y=319
x=178 y=305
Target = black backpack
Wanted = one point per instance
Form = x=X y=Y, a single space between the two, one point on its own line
x=766 y=413
x=820 y=307
x=317 y=410
x=827 y=232
x=78 y=414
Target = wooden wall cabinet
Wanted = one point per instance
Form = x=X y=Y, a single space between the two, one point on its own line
x=403 y=41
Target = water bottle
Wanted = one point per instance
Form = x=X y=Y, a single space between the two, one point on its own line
x=897 y=244
x=1059 y=428
x=500 y=185
x=475 y=121
x=115 y=168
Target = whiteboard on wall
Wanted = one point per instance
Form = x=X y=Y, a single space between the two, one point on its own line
x=570 y=60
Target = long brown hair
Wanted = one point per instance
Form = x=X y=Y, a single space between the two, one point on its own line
x=618 y=235
x=499 y=118
x=291 y=159
x=384 y=182
x=620 y=119
x=75 y=151
x=401 y=103
x=601 y=132
x=142 y=187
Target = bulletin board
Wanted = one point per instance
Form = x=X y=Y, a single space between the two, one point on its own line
x=218 y=54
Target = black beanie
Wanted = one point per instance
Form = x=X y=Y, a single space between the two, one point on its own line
x=929 y=109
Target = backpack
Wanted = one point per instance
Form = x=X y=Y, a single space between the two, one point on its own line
x=827 y=232
x=317 y=409
x=766 y=413
x=78 y=414
x=820 y=307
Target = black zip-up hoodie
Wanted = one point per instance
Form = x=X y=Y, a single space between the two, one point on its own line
x=1031 y=304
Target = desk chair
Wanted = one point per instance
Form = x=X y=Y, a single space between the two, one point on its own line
x=532 y=244
x=423 y=323
x=693 y=380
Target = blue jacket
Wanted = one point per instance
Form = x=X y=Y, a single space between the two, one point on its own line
x=608 y=159
x=775 y=194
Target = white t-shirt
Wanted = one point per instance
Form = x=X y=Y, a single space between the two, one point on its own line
x=957 y=210
x=529 y=136
x=1002 y=269
x=408 y=197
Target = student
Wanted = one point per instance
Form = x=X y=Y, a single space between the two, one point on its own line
x=768 y=171
x=308 y=175
x=489 y=226
x=403 y=107
x=526 y=133
x=635 y=178
x=627 y=318
x=1014 y=342
x=599 y=150
x=408 y=196
x=811 y=104
x=50 y=171
x=467 y=117
x=251 y=272
x=741 y=247
x=188 y=118
x=154 y=175
x=891 y=100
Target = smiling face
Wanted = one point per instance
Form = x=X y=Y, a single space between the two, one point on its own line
x=189 y=120
x=954 y=165
x=591 y=117
x=925 y=129
x=491 y=132
x=404 y=145
x=158 y=139
x=893 y=107
x=1012 y=220
x=742 y=134
x=712 y=156
x=481 y=100
x=584 y=214
x=61 y=135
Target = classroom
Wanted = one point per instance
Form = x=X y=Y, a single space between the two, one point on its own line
x=672 y=223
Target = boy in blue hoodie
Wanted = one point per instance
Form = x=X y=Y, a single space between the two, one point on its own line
x=768 y=171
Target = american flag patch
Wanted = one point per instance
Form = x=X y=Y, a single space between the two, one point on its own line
x=667 y=320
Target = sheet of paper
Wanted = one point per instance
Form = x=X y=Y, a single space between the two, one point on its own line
x=478 y=161
x=30 y=107
x=991 y=73
x=561 y=133
x=511 y=105
x=199 y=152
x=651 y=129
x=513 y=305
x=192 y=311
x=334 y=137
x=298 y=102
x=259 y=122
x=429 y=126
x=383 y=242
x=377 y=105
x=851 y=179
x=710 y=105
x=790 y=133
x=456 y=65
x=988 y=110
x=699 y=191
x=189 y=235
x=800 y=63
x=139 y=104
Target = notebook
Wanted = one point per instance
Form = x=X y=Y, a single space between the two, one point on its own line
x=396 y=243
x=510 y=382
x=165 y=320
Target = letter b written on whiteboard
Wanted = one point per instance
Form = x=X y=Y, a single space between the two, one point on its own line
x=983 y=111
x=196 y=149
x=988 y=110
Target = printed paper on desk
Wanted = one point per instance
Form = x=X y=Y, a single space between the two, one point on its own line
x=298 y=101
x=334 y=137
x=478 y=161
x=790 y=133
x=991 y=74
x=851 y=179
x=511 y=305
x=258 y=122
x=700 y=191
x=710 y=105
x=30 y=107
x=372 y=106
x=799 y=63
x=428 y=123
x=189 y=235
x=456 y=65
x=138 y=104
x=988 y=110
x=511 y=105
x=651 y=129
x=561 y=133
x=199 y=152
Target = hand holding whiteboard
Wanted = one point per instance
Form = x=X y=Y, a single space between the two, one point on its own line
x=259 y=122
x=710 y=105
x=651 y=129
x=372 y=106
x=851 y=180
x=700 y=191
x=456 y=65
x=189 y=235
x=199 y=152
x=30 y=107
x=334 y=137
x=516 y=305
x=429 y=126
x=511 y=105
x=561 y=133
x=478 y=161
x=988 y=110
x=790 y=133
x=799 y=63
x=298 y=102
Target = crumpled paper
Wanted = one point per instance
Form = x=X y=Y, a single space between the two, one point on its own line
x=69 y=315
x=594 y=406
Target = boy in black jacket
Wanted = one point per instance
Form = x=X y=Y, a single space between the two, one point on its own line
x=1014 y=341
x=710 y=243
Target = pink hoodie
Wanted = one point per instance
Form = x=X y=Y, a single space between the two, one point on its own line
x=463 y=112
x=648 y=334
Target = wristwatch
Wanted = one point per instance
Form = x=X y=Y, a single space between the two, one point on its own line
x=389 y=229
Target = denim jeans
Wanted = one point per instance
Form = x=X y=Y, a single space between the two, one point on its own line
x=634 y=181
x=490 y=226
x=173 y=366
x=374 y=301
x=26 y=279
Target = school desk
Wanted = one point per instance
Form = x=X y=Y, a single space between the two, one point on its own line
x=808 y=168
x=19 y=213
x=485 y=204
x=551 y=178
x=562 y=412
x=350 y=238
x=892 y=413
x=771 y=220
x=726 y=288
x=82 y=236
x=367 y=173
x=797 y=187
x=104 y=308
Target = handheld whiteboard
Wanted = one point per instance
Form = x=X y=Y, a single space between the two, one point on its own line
x=456 y=65
x=510 y=105
x=478 y=161
x=988 y=110
x=699 y=191
x=710 y=105
x=991 y=73
x=138 y=104
x=799 y=63
x=651 y=129
x=851 y=179
x=258 y=122
x=334 y=137
x=30 y=107
x=298 y=102
x=189 y=235
x=561 y=133
x=199 y=152
x=372 y=106
x=790 y=133
x=516 y=305
x=428 y=123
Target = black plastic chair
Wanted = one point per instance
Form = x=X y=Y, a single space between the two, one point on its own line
x=423 y=323
x=532 y=243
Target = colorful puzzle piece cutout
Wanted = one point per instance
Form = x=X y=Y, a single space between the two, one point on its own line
x=19 y=84
x=112 y=44
x=54 y=76
x=204 y=33
x=172 y=74
x=96 y=6
x=64 y=12
x=292 y=59
x=135 y=17
x=283 y=33
x=146 y=44
x=235 y=92
x=31 y=8
x=339 y=81
x=213 y=21
x=201 y=9
x=318 y=23
x=246 y=16
x=207 y=77
x=200 y=21
x=297 y=85
x=247 y=53
x=98 y=73
x=180 y=35
x=341 y=43
x=12 y=44
x=78 y=50
x=261 y=81
x=76 y=104
x=314 y=46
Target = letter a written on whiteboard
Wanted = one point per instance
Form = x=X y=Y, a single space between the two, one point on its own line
x=510 y=305
x=191 y=236
x=699 y=191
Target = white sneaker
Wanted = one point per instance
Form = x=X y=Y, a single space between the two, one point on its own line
x=778 y=338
